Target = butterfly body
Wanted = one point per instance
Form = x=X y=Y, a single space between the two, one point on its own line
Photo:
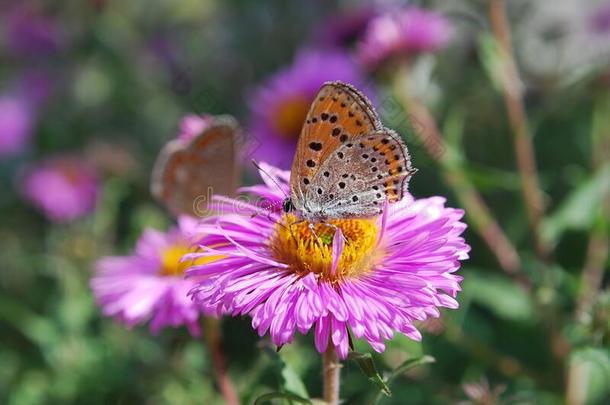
x=346 y=164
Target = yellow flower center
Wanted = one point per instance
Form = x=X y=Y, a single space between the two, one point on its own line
x=172 y=265
x=290 y=116
x=294 y=244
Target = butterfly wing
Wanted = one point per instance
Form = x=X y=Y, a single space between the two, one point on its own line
x=338 y=114
x=186 y=175
x=360 y=175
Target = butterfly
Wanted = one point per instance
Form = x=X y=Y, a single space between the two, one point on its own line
x=347 y=164
x=188 y=172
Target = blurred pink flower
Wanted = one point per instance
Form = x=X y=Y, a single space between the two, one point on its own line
x=279 y=106
x=395 y=270
x=29 y=32
x=62 y=188
x=192 y=125
x=600 y=19
x=345 y=28
x=35 y=86
x=481 y=393
x=149 y=284
x=403 y=33
x=16 y=124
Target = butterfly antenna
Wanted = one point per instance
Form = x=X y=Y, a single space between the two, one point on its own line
x=273 y=180
x=270 y=177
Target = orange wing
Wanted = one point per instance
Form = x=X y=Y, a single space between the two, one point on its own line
x=338 y=114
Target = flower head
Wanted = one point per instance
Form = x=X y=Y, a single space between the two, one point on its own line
x=29 y=32
x=600 y=19
x=565 y=41
x=149 y=284
x=480 y=392
x=404 y=33
x=16 y=122
x=344 y=29
x=63 y=188
x=192 y=125
x=19 y=110
x=279 y=106
x=373 y=276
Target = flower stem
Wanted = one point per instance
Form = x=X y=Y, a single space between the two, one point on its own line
x=212 y=334
x=593 y=271
x=598 y=251
x=522 y=137
x=599 y=239
x=332 y=375
x=512 y=91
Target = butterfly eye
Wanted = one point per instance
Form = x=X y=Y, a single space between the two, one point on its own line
x=287 y=205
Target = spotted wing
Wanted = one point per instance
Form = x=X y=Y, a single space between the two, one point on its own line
x=338 y=114
x=361 y=175
x=185 y=175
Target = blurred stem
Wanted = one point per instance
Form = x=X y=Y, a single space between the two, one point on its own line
x=577 y=378
x=593 y=270
x=332 y=374
x=479 y=216
x=599 y=240
x=522 y=137
x=526 y=163
x=212 y=334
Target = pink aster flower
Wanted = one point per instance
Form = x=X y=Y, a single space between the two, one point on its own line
x=149 y=284
x=391 y=272
x=279 y=106
x=63 y=188
x=403 y=33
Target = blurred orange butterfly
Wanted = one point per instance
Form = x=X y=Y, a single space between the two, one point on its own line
x=188 y=172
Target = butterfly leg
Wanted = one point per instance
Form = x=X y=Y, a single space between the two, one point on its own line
x=315 y=235
x=290 y=229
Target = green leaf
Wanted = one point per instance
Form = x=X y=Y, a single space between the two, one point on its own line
x=499 y=294
x=589 y=375
x=292 y=382
x=580 y=209
x=453 y=129
x=266 y=398
x=367 y=365
x=490 y=58
x=410 y=364
x=105 y=216
x=488 y=178
x=38 y=329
